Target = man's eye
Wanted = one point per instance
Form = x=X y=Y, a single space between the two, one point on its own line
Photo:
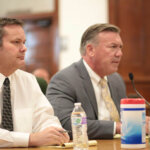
x=113 y=46
x=17 y=42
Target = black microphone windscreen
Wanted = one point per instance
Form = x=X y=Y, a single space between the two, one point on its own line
x=131 y=76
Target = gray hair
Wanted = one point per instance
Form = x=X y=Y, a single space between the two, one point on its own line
x=89 y=36
x=7 y=21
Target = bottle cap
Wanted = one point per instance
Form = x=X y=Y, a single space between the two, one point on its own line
x=77 y=104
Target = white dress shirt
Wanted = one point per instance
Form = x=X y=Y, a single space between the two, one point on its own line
x=30 y=108
x=103 y=113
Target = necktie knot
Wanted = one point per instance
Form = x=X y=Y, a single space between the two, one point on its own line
x=103 y=82
x=6 y=82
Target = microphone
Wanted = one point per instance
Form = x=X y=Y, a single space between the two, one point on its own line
x=131 y=77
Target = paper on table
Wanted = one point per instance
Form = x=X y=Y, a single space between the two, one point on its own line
x=117 y=136
x=70 y=145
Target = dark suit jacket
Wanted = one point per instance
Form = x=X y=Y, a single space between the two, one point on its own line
x=73 y=85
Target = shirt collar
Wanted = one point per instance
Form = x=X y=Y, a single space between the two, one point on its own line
x=2 y=78
x=92 y=74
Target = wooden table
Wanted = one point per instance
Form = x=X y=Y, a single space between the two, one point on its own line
x=114 y=144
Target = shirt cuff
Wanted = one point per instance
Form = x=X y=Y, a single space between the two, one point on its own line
x=20 y=139
x=114 y=128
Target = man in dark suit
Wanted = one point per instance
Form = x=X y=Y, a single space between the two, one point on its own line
x=101 y=51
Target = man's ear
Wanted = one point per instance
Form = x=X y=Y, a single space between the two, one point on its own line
x=90 y=50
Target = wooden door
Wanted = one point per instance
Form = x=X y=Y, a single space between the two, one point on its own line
x=41 y=31
x=40 y=46
x=133 y=17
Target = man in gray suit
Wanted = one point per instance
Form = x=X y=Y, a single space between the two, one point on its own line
x=101 y=51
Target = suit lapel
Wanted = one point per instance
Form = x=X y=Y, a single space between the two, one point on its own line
x=87 y=85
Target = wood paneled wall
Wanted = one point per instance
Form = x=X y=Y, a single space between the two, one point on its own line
x=133 y=17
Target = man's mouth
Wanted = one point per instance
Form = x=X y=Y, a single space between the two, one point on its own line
x=117 y=62
x=21 y=57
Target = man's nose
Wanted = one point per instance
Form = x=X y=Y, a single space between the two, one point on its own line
x=23 y=48
x=119 y=53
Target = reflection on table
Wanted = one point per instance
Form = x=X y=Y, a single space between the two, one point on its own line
x=114 y=144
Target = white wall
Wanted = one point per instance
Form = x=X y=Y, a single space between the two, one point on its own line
x=21 y=6
x=74 y=17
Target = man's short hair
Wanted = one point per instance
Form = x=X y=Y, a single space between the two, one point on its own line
x=7 y=21
x=89 y=36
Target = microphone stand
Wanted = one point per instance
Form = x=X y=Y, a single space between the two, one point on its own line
x=132 y=81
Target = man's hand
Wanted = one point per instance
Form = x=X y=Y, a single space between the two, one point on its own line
x=49 y=136
x=118 y=127
x=147 y=123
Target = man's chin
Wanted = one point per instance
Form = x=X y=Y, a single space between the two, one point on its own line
x=21 y=65
x=113 y=70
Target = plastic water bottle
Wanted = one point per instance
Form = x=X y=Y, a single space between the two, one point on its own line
x=133 y=123
x=79 y=128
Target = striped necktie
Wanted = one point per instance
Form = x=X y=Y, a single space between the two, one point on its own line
x=108 y=100
x=7 y=121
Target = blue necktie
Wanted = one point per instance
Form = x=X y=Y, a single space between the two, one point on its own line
x=7 y=121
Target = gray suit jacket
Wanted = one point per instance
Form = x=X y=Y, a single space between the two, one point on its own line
x=73 y=85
